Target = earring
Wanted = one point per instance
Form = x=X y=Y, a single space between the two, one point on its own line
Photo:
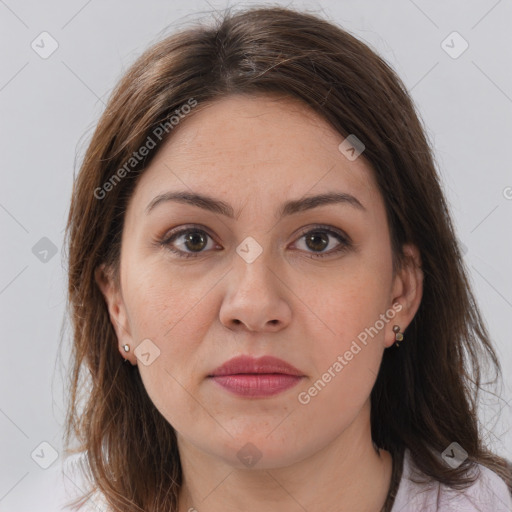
x=399 y=336
x=126 y=348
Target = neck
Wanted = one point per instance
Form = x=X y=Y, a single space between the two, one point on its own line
x=346 y=475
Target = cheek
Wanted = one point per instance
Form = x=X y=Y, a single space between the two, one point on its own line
x=175 y=316
x=354 y=299
x=165 y=305
x=353 y=309
x=347 y=363
x=172 y=397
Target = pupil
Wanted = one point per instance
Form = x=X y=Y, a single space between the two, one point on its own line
x=324 y=243
x=193 y=239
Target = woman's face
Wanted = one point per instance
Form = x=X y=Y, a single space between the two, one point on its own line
x=311 y=284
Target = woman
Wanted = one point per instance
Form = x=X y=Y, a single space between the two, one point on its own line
x=258 y=229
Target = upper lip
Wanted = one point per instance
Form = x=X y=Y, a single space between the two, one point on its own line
x=248 y=364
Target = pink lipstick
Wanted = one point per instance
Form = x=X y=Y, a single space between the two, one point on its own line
x=256 y=377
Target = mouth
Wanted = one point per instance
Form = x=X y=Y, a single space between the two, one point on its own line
x=256 y=377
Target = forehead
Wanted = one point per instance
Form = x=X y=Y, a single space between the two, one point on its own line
x=259 y=145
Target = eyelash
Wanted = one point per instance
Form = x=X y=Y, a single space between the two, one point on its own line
x=345 y=242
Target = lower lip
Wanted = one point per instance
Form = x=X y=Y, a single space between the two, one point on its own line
x=257 y=385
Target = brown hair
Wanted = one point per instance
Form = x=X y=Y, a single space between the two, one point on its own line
x=425 y=396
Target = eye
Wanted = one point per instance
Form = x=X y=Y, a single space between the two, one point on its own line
x=317 y=239
x=191 y=241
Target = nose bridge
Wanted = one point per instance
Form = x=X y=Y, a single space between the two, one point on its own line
x=253 y=265
x=255 y=293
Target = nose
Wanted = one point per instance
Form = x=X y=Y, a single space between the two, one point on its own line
x=256 y=298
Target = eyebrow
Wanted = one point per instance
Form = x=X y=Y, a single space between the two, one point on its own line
x=288 y=208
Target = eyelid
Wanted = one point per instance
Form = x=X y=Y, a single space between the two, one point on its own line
x=325 y=227
x=169 y=236
x=345 y=242
x=179 y=230
x=312 y=227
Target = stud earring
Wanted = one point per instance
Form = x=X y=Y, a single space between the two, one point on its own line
x=399 y=336
x=126 y=348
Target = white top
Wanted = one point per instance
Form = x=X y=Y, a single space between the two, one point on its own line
x=49 y=490
x=489 y=493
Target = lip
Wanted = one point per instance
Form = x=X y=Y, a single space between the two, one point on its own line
x=253 y=365
x=256 y=377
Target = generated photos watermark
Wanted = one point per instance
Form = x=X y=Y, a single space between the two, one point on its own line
x=151 y=141
x=305 y=397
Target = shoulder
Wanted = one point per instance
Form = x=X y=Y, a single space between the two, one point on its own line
x=488 y=493
x=76 y=483
x=53 y=489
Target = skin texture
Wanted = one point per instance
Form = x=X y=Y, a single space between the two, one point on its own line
x=254 y=153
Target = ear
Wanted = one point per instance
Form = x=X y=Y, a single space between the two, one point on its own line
x=407 y=290
x=117 y=311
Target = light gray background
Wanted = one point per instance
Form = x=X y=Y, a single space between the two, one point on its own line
x=49 y=106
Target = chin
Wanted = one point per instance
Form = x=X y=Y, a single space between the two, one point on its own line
x=261 y=451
